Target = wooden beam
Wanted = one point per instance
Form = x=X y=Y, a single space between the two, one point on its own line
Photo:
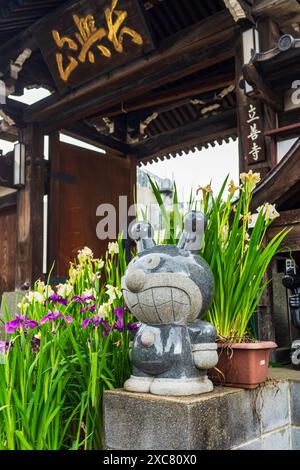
x=9 y=200
x=189 y=90
x=269 y=33
x=262 y=7
x=54 y=201
x=276 y=186
x=14 y=110
x=203 y=45
x=289 y=219
x=11 y=50
x=239 y=9
x=286 y=130
x=10 y=134
x=29 y=254
x=197 y=133
x=261 y=89
x=242 y=101
x=89 y=135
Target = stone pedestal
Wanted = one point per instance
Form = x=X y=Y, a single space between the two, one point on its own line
x=227 y=418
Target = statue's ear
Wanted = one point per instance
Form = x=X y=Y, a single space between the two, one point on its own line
x=143 y=233
x=193 y=232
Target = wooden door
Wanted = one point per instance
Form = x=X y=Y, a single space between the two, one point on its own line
x=8 y=242
x=85 y=180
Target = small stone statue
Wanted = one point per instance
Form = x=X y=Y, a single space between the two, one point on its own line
x=168 y=289
x=292 y=282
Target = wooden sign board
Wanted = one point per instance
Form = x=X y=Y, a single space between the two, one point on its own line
x=90 y=38
x=254 y=140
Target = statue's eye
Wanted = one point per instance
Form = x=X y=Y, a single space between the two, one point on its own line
x=151 y=261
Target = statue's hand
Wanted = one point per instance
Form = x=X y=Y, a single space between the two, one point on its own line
x=205 y=355
x=294 y=301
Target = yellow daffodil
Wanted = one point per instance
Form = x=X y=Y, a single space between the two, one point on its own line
x=113 y=292
x=232 y=188
x=250 y=178
x=85 y=254
x=269 y=211
x=205 y=190
x=113 y=248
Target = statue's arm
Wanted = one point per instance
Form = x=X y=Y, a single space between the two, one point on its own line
x=294 y=302
x=203 y=345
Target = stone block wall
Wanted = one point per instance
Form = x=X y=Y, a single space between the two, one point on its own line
x=227 y=418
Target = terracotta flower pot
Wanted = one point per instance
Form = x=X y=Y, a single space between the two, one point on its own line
x=242 y=365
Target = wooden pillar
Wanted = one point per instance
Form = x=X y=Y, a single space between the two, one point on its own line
x=54 y=204
x=132 y=160
x=269 y=33
x=29 y=252
x=252 y=152
x=133 y=174
x=242 y=100
x=253 y=114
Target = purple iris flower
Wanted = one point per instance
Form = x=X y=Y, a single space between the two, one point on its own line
x=31 y=324
x=52 y=316
x=132 y=326
x=16 y=324
x=119 y=313
x=56 y=299
x=120 y=325
x=83 y=298
x=105 y=324
x=90 y=308
x=96 y=320
x=19 y=323
x=86 y=322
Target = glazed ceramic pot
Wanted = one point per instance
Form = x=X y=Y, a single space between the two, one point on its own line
x=242 y=365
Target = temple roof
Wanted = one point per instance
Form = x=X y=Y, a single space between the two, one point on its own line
x=178 y=96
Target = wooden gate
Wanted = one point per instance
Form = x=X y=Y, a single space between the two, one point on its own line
x=8 y=240
x=81 y=180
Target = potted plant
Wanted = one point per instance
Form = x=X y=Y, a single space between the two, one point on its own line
x=236 y=248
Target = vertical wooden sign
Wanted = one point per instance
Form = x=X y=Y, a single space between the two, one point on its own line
x=254 y=140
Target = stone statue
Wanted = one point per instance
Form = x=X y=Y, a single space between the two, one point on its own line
x=168 y=289
x=292 y=282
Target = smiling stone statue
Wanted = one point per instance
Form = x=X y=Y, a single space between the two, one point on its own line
x=169 y=289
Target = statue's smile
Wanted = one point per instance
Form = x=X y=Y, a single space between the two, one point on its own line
x=167 y=304
x=163 y=299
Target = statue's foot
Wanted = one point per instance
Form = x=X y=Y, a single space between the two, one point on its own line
x=181 y=387
x=138 y=384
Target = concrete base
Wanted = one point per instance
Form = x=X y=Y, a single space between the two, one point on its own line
x=227 y=418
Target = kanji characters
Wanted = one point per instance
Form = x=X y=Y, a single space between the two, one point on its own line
x=254 y=132
x=255 y=151
x=88 y=35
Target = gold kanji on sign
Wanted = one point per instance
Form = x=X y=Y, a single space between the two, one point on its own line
x=88 y=35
